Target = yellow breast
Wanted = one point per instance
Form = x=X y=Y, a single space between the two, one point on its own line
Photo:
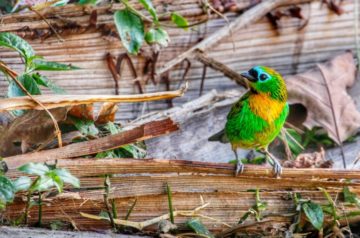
x=266 y=107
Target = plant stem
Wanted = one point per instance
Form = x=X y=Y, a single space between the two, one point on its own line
x=114 y=210
x=171 y=210
x=28 y=200
x=130 y=209
x=40 y=210
x=106 y=201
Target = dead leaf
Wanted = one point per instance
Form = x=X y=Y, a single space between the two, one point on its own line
x=106 y=113
x=309 y=160
x=32 y=129
x=84 y=111
x=322 y=91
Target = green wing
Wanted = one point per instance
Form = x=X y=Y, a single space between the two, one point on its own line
x=236 y=108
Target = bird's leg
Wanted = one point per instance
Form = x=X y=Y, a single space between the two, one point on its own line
x=239 y=164
x=275 y=163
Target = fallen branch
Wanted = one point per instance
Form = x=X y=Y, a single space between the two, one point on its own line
x=140 y=133
x=53 y=101
x=250 y=16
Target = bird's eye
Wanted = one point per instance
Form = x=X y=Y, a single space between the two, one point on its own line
x=263 y=77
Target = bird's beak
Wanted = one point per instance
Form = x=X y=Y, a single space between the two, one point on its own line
x=248 y=76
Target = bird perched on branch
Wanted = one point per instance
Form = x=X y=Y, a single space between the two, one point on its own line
x=257 y=118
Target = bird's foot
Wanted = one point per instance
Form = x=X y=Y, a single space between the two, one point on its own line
x=277 y=169
x=239 y=168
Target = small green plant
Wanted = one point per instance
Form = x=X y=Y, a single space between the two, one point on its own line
x=130 y=25
x=308 y=211
x=255 y=210
x=47 y=178
x=298 y=142
x=30 y=78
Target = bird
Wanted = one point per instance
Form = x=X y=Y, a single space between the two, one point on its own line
x=257 y=117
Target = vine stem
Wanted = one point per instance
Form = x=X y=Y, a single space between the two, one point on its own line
x=13 y=76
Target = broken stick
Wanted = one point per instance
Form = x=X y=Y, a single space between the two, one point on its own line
x=140 y=133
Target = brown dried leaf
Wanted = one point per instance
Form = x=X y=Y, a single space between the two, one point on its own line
x=309 y=160
x=322 y=91
x=85 y=111
x=106 y=113
x=32 y=129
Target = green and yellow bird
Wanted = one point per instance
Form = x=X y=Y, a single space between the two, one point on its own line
x=257 y=118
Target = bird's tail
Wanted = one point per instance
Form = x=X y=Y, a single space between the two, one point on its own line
x=220 y=136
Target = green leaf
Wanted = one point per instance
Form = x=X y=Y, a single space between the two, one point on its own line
x=86 y=127
x=131 y=30
x=29 y=84
x=15 y=42
x=196 y=225
x=57 y=225
x=67 y=177
x=22 y=183
x=34 y=168
x=44 y=81
x=60 y=3
x=179 y=20
x=150 y=8
x=350 y=197
x=43 y=183
x=314 y=213
x=104 y=214
x=158 y=35
x=7 y=190
x=59 y=184
x=112 y=128
x=92 y=2
x=51 y=66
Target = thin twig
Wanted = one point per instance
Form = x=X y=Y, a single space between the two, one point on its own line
x=203 y=76
x=48 y=23
x=250 y=16
x=13 y=76
x=288 y=152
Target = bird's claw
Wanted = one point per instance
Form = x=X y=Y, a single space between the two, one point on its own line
x=239 y=168
x=277 y=169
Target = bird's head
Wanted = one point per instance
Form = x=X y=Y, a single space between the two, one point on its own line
x=266 y=80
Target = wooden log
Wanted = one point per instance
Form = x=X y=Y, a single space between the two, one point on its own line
x=192 y=185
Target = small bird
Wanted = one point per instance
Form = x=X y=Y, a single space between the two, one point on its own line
x=257 y=117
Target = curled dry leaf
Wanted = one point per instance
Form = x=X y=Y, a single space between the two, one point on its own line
x=107 y=113
x=309 y=160
x=322 y=91
x=84 y=111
